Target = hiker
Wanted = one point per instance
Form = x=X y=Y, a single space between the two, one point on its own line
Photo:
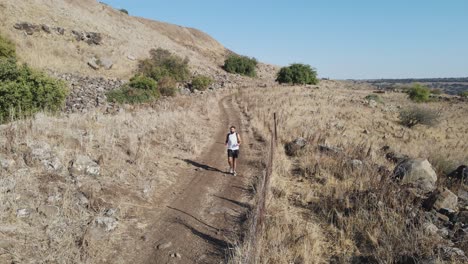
x=233 y=142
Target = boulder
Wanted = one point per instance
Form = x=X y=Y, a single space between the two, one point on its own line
x=416 y=172
x=84 y=165
x=131 y=57
x=462 y=217
x=46 y=28
x=23 y=213
x=446 y=200
x=330 y=149
x=292 y=148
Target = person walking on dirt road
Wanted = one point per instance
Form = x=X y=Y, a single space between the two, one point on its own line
x=233 y=142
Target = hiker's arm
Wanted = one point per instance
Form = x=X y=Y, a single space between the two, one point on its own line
x=238 y=139
x=227 y=139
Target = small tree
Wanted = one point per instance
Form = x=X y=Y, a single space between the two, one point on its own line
x=297 y=73
x=419 y=93
x=241 y=65
x=201 y=82
x=414 y=116
x=163 y=63
x=125 y=11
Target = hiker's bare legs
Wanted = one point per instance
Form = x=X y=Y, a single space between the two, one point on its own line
x=230 y=161
x=234 y=165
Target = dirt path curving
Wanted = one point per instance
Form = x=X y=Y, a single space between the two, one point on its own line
x=202 y=216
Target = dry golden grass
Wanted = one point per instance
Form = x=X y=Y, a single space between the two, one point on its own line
x=138 y=151
x=123 y=35
x=321 y=208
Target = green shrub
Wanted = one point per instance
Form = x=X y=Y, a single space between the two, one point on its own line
x=143 y=82
x=163 y=63
x=374 y=97
x=297 y=74
x=241 y=65
x=125 y=11
x=419 y=93
x=24 y=91
x=414 y=116
x=140 y=89
x=167 y=86
x=201 y=82
x=7 y=48
x=464 y=94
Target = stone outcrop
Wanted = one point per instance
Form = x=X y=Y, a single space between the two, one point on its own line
x=416 y=172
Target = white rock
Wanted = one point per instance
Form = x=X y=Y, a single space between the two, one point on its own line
x=417 y=172
x=106 y=223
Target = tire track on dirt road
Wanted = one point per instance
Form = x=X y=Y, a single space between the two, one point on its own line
x=204 y=218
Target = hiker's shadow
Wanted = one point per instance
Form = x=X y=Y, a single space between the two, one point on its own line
x=202 y=166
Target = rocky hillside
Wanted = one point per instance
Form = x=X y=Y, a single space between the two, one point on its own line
x=90 y=38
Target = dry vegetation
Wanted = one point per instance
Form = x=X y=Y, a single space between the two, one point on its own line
x=123 y=36
x=52 y=214
x=326 y=208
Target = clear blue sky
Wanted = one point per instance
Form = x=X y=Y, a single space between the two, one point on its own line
x=341 y=38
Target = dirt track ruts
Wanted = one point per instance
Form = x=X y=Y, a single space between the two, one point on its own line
x=203 y=218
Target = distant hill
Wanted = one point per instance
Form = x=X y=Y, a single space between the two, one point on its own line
x=448 y=85
x=63 y=35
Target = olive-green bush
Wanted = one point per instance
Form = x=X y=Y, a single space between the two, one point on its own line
x=374 y=97
x=162 y=63
x=201 y=82
x=241 y=65
x=24 y=91
x=297 y=73
x=419 y=93
x=140 y=89
x=414 y=116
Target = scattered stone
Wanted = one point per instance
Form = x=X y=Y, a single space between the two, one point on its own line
x=48 y=210
x=446 y=199
x=46 y=28
x=23 y=213
x=356 y=163
x=27 y=27
x=164 y=245
x=176 y=255
x=366 y=132
x=84 y=165
x=442 y=217
x=372 y=103
x=431 y=228
x=106 y=63
x=93 y=64
x=110 y=212
x=292 y=148
x=106 y=223
x=131 y=57
x=417 y=172
x=60 y=31
x=82 y=199
x=450 y=253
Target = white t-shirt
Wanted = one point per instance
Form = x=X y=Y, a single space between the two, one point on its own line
x=233 y=144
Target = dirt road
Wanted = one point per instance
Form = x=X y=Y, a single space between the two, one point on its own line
x=202 y=217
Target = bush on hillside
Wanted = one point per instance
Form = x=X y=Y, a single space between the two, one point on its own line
x=437 y=91
x=414 y=116
x=162 y=63
x=241 y=65
x=419 y=93
x=24 y=91
x=125 y=11
x=7 y=48
x=140 y=89
x=464 y=94
x=201 y=82
x=167 y=86
x=297 y=73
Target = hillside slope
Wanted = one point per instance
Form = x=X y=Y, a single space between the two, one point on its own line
x=51 y=41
